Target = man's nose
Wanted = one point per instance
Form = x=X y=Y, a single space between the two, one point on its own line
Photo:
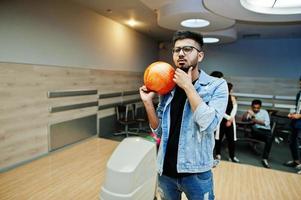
x=181 y=52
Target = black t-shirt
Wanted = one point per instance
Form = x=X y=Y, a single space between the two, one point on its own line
x=176 y=112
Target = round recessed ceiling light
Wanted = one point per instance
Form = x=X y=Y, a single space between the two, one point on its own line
x=260 y=3
x=132 y=22
x=210 y=40
x=276 y=7
x=195 y=23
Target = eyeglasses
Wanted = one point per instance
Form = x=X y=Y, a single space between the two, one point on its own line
x=186 y=49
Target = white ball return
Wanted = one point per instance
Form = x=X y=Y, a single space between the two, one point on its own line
x=131 y=171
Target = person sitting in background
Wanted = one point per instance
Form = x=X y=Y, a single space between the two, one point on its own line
x=261 y=130
x=295 y=138
x=227 y=127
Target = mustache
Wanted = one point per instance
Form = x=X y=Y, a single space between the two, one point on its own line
x=181 y=59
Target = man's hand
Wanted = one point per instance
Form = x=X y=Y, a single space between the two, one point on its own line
x=147 y=98
x=290 y=115
x=294 y=116
x=146 y=95
x=228 y=123
x=183 y=79
x=251 y=113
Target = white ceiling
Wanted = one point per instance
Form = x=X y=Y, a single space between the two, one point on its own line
x=149 y=14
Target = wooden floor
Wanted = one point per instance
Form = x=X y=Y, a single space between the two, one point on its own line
x=77 y=172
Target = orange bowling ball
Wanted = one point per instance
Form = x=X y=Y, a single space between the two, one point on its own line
x=158 y=77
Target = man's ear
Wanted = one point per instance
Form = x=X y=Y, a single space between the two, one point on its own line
x=200 y=56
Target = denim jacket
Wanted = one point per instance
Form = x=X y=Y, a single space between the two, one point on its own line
x=196 y=141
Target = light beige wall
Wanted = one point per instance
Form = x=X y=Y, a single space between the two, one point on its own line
x=55 y=32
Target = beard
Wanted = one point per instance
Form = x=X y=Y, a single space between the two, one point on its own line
x=186 y=68
x=184 y=63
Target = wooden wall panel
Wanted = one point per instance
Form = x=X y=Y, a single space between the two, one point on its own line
x=265 y=85
x=24 y=105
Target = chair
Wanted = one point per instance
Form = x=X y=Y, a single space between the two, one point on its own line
x=141 y=118
x=283 y=128
x=256 y=141
x=125 y=116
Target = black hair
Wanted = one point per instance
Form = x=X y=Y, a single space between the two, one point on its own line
x=230 y=86
x=180 y=35
x=217 y=74
x=256 y=102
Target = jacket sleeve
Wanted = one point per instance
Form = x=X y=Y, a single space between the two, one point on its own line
x=208 y=117
x=227 y=117
x=159 y=111
x=233 y=111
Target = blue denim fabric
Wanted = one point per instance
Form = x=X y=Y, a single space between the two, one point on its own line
x=197 y=186
x=196 y=142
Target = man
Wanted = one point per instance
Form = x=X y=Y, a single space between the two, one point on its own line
x=186 y=119
x=261 y=129
x=295 y=138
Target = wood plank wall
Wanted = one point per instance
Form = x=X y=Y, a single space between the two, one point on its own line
x=24 y=106
x=265 y=85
